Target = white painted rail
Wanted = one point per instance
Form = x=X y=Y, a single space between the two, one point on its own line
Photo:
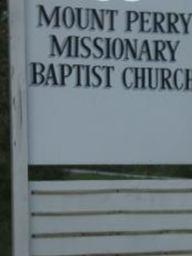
x=111 y=218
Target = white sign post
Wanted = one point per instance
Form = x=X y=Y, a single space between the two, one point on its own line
x=98 y=83
x=19 y=139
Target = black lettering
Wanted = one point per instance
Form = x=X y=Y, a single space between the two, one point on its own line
x=45 y=19
x=145 y=51
x=84 y=43
x=144 y=21
x=58 y=49
x=68 y=17
x=98 y=47
x=112 y=14
x=66 y=71
x=51 y=77
x=37 y=73
x=117 y=48
x=108 y=70
x=186 y=22
x=95 y=71
x=131 y=18
x=97 y=19
x=173 y=46
x=82 y=23
x=159 y=48
x=125 y=78
x=158 y=21
x=176 y=79
x=188 y=80
x=165 y=79
x=151 y=84
x=173 y=19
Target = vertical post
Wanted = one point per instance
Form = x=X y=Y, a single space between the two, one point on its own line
x=18 y=101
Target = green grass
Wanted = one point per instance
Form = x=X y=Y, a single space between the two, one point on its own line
x=63 y=172
x=5 y=205
x=5 y=211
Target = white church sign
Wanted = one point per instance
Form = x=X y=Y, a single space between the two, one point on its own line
x=100 y=82
x=110 y=82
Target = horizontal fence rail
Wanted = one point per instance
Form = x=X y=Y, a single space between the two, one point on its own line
x=111 y=218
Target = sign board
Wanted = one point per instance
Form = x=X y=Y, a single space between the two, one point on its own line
x=100 y=83
x=109 y=82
